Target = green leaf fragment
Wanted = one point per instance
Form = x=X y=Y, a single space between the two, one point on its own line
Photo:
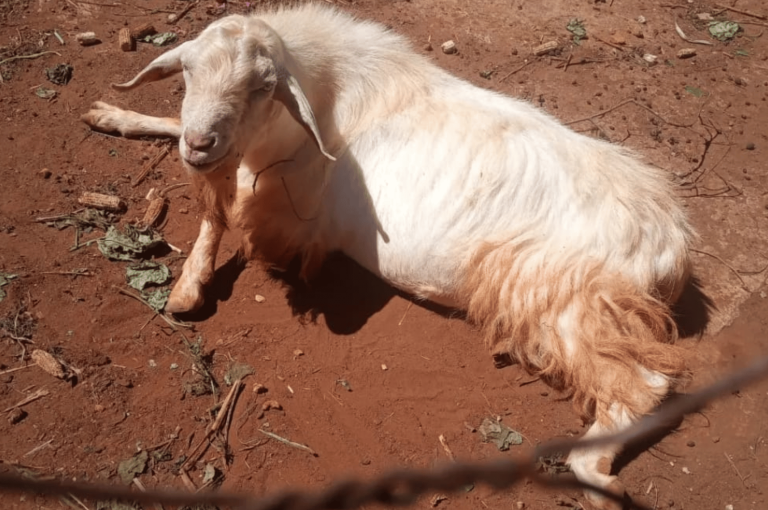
x=576 y=27
x=156 y=299
x=128 y=245
x=694 y=91
x=147 y=274
x=723 y=30
x=161 y=39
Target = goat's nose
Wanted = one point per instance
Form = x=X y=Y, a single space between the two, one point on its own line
x=199 y=142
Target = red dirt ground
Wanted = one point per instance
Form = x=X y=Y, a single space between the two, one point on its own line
x=439 y=379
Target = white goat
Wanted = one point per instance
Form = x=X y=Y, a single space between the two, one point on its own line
x=314 y=132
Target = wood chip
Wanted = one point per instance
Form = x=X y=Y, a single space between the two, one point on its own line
x=545 y=48
x=126 y=42
x=49 y=364
x=87 y=39
x=101 y=201
x=449 y=47
x=142 y=31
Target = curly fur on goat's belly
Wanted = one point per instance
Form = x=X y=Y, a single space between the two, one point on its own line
x=580 y=328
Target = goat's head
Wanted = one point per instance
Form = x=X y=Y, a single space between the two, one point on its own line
x=237 y=78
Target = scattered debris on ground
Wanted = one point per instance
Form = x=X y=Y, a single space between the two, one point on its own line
x=60 y=74
x=5 y=279
x=495 y=432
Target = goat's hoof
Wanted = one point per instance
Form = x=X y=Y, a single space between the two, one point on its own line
x=184 y=300
x=103 y=117
x=600 y=502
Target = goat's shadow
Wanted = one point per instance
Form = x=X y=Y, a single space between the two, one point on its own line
x=220 y=290
x=693 y=310
x=344 y=293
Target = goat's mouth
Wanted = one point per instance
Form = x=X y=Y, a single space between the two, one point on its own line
x=204 y=167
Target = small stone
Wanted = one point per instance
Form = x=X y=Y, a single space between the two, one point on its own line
x=172 y=18
x=259 y=388
x=298 y=352
x=152 y=363
x=16 y=415
x=174 y=366
x=686 y=470
x=449 y=47
x=686 y=53
x=520 y=505
x=183 y=210
x=691 y=444
x=651 y=59
x=750 y=146
x=45 y=173
x=259 y=298
x=728 y=507
x=641 y=20
x=618 y=39
x=383 y=366
x=716 y=439
x=365 y=462
x=98 y=408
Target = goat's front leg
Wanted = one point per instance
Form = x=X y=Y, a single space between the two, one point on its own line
x=187 y=294
x=107 y=118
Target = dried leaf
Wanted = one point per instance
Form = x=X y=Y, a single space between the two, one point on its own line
x=133 y=467
x=147 y=274
x=499 y=434
x=238 y=371
x=209 y=473
x=5 y=279
x=44 y=93
x=60 y=75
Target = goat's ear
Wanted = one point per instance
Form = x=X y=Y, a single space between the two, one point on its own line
x=165 y=65
x=288 y=91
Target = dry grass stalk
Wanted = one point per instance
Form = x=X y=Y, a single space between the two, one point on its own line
x=151 y=165
x=31 y=398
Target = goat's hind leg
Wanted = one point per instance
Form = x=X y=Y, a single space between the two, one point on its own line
x=109 y=119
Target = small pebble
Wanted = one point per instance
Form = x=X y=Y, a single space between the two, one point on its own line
x=383 y=366
x=259 y=298
x=691 y=444
x=686 y=53
x=152 y=363
x=298 y=352
x=449 y=47
x=520 y=505
x=98 y=408
x=716 y=439
x=172 y=18
x=750 y=146
x=45 y=173
x=16 y=415
x=686 y=470
x=728 y=507
x=365 y=462
x=174 y=366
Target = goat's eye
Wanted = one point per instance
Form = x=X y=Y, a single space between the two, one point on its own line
x=269 y=85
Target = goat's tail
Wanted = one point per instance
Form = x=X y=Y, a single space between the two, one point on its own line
x=587 y=331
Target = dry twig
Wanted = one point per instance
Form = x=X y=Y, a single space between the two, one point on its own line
x=290 y=443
